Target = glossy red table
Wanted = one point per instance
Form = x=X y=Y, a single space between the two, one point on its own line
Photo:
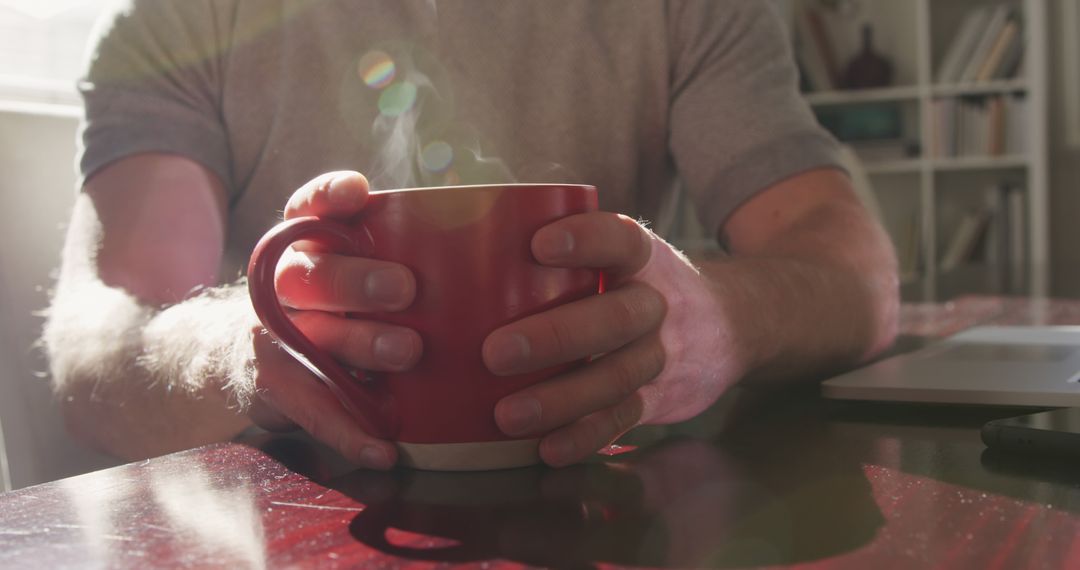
x=788 y=480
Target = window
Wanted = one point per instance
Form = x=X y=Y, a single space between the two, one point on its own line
x=43 y=48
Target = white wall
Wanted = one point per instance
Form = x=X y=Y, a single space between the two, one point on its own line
x=37 y=179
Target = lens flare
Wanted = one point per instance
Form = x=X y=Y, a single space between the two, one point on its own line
x=436 y=156
x=397 y=99
x=377 y=69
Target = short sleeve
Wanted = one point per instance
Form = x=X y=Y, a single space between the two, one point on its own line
x=738 y=122
x=154 y=85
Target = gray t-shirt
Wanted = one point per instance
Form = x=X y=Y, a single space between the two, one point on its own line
x=636 y=97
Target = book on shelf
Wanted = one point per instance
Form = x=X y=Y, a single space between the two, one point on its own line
x=959 y=52
x=988 y=68
x=987 y=37
x=1011 y=61
x=996 y=140
x=988 y=45
x=993 y=235
x=979 y=126
x=1004 y=251
x=964 y=239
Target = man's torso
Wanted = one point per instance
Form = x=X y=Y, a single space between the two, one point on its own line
x=420 y=92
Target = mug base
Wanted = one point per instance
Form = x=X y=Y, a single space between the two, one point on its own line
x=472 y=456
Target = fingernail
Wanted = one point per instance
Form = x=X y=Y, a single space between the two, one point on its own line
x=394 y=348
x=518 y=415
x=507 y=352
x=554 y=244
x=341 y=192
x=375 y=457
x=387 y=286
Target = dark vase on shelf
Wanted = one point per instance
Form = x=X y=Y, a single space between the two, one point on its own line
x=868 y=69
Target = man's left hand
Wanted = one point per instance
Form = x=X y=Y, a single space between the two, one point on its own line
x=666 y=350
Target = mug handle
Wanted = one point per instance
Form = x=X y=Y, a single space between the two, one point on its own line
x=371 y=407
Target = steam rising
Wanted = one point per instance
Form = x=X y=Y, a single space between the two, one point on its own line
x=394 y=131
x=419 y=143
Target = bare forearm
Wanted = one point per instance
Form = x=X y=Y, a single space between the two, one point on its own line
x=813 y=305
x=137 y=382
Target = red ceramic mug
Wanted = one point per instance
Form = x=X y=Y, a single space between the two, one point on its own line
x=469 y=249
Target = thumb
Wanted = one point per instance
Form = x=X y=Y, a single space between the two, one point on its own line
x=337 y=195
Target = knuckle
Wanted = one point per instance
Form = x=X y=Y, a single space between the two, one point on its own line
x=300 y=201
x=317 y=187
x=654 y=401
x=648 y=304
x=308 y=321
x=322 y=185
x=636 y=310
x=625 y=376
x=356 y=343
x=337 y=282
x=654 y=357
x=623 y=315
x=627 y=225
x=636 y=236
x=557 y=337
x=320 y=328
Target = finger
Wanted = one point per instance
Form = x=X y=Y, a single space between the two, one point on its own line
x=601 y=240
x=338 y=195
x=578 y=441
x=341 y=283
x=289 y=388
x=601 y=384
x=367 y=345
x=570 y=332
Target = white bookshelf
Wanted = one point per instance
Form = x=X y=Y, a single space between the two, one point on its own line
x=929 y=191
x=902 y=93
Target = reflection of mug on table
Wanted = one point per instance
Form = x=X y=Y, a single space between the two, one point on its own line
x=469 y=248
x=538 y=516
x=681 y=503
x=619 y=512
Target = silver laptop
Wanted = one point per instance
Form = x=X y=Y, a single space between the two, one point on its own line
x=1021 y=366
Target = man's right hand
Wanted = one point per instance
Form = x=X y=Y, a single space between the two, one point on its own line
x=319 y=286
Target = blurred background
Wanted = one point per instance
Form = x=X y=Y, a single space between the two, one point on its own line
x=961 y=119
